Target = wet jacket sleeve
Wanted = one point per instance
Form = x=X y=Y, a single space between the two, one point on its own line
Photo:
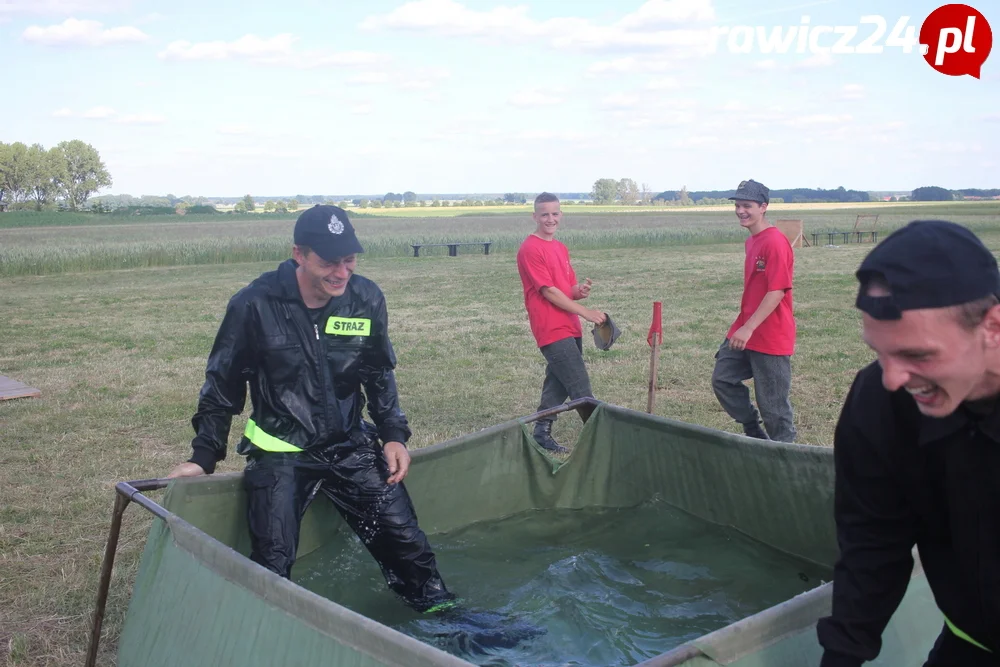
x=224 y=393
x=875 y=532
x=379 y=380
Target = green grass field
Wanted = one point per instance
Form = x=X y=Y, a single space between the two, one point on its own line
x=113 y=324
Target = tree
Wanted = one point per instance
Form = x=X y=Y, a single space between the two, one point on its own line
x=409 y=197
x=85 y=172
x=931 y=193
x=269 y=206
x=44 y=171
x=628 y=191
x=281 y=207
x=13 y=172
x=240 y=207
x=248 y=203
x=605 y=191
x=436 y=203
x=363 y=202
x=683 y=197
x=645 y=194
x=293 y=205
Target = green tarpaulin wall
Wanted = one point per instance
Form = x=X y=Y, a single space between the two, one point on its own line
x=198 y=600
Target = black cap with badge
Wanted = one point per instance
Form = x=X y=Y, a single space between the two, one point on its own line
x=927 y=264
x=327 y=231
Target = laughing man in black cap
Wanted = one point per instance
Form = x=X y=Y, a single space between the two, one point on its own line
x=307 y=338
x=917 y=449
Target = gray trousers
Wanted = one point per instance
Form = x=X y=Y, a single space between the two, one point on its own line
x=565 y=374
x=772 y=379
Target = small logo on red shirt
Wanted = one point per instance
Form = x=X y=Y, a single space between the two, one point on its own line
x=761 y=264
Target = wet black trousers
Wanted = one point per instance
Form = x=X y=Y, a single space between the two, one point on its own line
x=950 y=651
x=281 y=485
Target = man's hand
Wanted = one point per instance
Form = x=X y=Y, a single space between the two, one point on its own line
x=398 y=459
x=584 y=288
x=186 y=469
x=740 y=338
x=595 y=316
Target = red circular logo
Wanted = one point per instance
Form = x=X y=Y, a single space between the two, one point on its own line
x=956 y=40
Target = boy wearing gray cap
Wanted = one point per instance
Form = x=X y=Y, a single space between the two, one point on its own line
x=917 y=449
x=761 y=340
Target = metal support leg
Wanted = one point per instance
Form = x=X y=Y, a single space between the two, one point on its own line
x=453 y=250
x=121 y=502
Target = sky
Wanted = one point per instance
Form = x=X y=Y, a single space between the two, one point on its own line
x=225 y=98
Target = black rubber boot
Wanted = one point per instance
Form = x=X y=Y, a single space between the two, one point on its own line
x=754 y=430
x=543 y=436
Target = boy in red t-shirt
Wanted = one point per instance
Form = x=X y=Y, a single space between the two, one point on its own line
x=761 y=340
x=550 y=295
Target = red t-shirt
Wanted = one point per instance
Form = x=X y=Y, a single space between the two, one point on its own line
x=769 y=266
x=546 y=264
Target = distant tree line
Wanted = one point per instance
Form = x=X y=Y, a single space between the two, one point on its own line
x=794 y=196
x=36 y=177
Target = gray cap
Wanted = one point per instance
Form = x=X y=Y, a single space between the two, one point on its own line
x=751 y=190
x=606 y=334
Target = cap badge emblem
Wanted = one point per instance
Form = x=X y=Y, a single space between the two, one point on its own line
x=335 y=226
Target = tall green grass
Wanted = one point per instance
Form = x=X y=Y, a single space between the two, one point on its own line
x=42 y=249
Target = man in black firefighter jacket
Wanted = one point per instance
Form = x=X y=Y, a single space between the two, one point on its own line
x=307 y=338
x=917 y=449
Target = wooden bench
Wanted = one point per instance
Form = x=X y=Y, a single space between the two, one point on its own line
x=452 y=247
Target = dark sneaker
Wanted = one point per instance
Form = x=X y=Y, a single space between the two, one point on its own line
x=754 y=430
x=543 y=436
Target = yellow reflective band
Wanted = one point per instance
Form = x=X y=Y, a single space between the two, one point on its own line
x=961 y=635
x=267 y=442
x=348 y=326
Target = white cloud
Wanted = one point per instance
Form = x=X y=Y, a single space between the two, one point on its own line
x=696 y=141
x=362 y=109
x=238 y=129
x=620 y=101
x=629 y=65
x=657 y=25
x=61 y=6
x=818 y=119
x=852 y=91
x=535 y=97
x=99 y=112
x=74 y=32
x=366 y=78
x=407 y=79
x=664 y=83
x=278 y=50
x=107 y=113
x=957 y=147
x=991 y=117
x=818 y=60
x=548 y=135
x=141 y=119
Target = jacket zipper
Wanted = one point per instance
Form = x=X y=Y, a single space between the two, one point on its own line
x=316 y=329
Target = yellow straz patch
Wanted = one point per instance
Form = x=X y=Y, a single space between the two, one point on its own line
x=347 y=326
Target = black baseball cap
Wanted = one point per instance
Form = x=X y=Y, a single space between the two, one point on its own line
x=927 y=264
x=751 y=190
x=327 y=231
